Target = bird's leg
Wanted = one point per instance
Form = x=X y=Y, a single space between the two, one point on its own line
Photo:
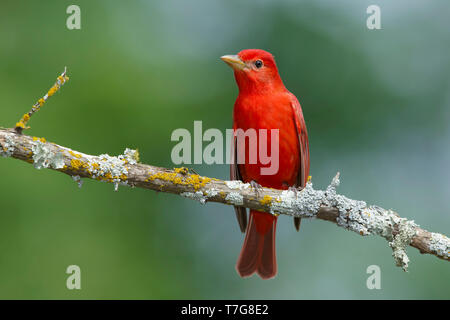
x=297 y=220
x=256 y=186
x=293 y=188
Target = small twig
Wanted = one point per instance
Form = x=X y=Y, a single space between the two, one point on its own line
x=60 y=81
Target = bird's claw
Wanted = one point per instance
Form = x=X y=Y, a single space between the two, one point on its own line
x=256 y=186
x=295 y=190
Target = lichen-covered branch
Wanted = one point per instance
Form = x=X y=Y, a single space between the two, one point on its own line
x=326 y=204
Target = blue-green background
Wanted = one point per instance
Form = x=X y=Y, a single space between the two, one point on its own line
x=377 y=106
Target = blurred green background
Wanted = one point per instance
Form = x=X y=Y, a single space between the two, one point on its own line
x=377 y=106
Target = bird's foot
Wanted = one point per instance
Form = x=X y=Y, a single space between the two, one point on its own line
x=293 y=189
x=255 y=186
x=297 y=220
x=296 y=190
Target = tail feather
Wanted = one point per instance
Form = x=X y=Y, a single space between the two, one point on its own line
x=258 y=250
x=248 y=259
x=268 y=261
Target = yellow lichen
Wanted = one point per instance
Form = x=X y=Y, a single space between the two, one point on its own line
x=193 y=180
x=95 y=165
x=78 y=165
x=39 y=139
x=20 y=124
x=267 y=200
x=76 y=155
x=52 y=90
x=62 y=79
x=182 y=170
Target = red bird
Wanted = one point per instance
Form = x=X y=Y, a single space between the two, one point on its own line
x=265 y=103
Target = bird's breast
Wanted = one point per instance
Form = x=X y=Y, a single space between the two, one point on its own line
x=270 y=113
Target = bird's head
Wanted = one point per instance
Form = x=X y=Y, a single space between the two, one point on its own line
x=254 y=69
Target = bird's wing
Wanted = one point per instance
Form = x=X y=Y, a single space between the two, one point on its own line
x=300 y=126
x=241 y=212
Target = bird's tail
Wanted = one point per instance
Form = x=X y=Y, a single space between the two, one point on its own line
x=258 y=251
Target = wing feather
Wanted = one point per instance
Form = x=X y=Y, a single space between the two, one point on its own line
x=303 y=143
x=241 y=212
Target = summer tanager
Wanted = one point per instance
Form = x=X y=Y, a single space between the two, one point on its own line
x=265 y=103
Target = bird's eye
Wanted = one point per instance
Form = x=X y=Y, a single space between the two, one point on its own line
x=258 y=64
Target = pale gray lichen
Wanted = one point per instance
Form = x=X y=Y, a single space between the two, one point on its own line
x=374 y=220
x=130 y=155
x=406 y=231
x=353 y=215
x=235 y=198
x=358 y=217
x=301 y=203
x=440 y=244
x=114 y=166
x=212 y=193
x=78 y=180
x=306 y=202
x=109 y=164
x=284 y=202
x=43 y=157
x=7 y=149
x=351 y=212
x=198 y=196
x=236 y=184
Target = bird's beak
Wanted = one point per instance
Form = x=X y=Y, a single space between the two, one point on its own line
x=233 y=61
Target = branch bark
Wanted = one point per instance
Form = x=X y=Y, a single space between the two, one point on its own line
x=326 y=204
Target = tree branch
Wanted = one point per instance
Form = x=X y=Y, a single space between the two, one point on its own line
x=326 y=204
